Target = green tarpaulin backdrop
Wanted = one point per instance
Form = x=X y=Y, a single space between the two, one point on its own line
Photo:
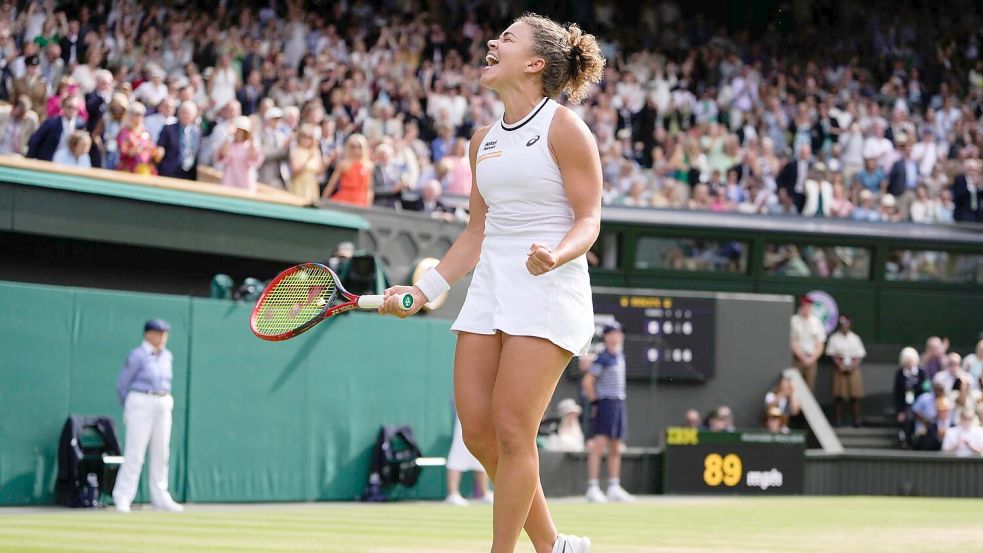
x=253 y=420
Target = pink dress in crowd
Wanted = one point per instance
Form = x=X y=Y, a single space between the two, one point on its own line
x=239 y=166
x=459 y=176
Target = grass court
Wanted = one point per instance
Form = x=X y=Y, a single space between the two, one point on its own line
x=655 y=524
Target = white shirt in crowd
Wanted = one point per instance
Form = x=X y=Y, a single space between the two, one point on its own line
x=68 y=127
x=570 y=438
x=852 y=144
x=849 y=346
x=807 y=333
x=946 y=379
x=956 y=439
x=926 y=155
x=66 y=157
x=879 y=149
x=150 y=94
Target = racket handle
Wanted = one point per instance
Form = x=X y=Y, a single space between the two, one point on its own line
x=376 y=301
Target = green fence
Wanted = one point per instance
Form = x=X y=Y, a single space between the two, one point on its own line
x=253 y=421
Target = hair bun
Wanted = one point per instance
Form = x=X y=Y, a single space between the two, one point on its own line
x=576 y=49
x=573 y=59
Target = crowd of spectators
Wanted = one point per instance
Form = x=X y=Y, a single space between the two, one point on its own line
x=718 y=419
x=372 y=103
x=937 y=394
x=938 y=398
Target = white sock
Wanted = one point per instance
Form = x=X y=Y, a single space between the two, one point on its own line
x=614 y=482
x=592 y=483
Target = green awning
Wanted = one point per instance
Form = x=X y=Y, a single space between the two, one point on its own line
x=181 y=198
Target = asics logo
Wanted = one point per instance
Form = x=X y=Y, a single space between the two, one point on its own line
x=533 y=140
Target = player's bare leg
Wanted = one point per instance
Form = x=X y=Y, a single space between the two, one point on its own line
x=476 y=366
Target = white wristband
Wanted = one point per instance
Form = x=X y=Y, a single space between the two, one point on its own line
x=432 y=285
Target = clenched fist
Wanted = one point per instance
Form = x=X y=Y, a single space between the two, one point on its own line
x=540 y=259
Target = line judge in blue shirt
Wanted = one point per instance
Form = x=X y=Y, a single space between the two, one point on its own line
x=144 y=389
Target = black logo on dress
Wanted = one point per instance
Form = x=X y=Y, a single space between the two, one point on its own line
x=490 y=145
x=532 y=140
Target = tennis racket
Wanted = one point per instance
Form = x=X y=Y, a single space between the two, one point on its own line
x=302 y=296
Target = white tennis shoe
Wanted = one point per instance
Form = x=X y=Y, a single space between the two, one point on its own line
x=595 y=495
x=169 y=505
x=571 y=544
x=456 y=500
x=488 y=498
x=618 y=494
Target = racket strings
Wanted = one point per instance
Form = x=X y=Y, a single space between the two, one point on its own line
x=294 y=301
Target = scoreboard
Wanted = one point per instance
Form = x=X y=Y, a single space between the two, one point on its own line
x=668 y=337
x=743 y=462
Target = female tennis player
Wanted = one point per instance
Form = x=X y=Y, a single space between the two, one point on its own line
x=535 y=211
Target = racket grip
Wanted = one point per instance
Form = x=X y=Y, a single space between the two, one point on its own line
x=376 y=301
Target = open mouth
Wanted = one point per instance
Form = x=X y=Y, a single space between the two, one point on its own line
x=491 y=59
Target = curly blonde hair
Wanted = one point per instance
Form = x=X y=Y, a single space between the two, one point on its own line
x=573 y=59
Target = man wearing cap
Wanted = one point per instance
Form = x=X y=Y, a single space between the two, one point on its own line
x=33 y=86
x=808 y=339
x=847 y=351
x=181 y=142
x=604 y=387
x=144 y=389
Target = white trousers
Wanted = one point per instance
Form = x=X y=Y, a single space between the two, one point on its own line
x=148 y=422
x=460 y=458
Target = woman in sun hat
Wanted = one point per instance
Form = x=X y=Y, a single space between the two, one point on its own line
x=240 y=156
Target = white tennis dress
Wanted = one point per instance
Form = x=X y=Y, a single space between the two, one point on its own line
x=521 y=184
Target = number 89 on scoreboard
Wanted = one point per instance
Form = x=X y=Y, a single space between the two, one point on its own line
x=722 y=470
x=753 y=462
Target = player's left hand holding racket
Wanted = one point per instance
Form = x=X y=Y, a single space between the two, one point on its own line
x=304 y=295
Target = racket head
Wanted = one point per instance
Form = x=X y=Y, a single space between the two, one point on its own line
x=294 y=301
